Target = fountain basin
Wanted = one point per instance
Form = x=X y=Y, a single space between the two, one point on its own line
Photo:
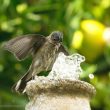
x=58 y=94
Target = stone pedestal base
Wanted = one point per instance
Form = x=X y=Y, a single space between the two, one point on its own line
x=59 y=94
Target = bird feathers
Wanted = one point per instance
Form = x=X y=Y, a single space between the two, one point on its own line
x=22 y=46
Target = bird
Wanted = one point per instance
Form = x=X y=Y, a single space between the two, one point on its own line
x=44 y=51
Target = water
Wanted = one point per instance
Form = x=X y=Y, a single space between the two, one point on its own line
x=67 y=67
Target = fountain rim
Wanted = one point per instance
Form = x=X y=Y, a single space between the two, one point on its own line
x=60 y=86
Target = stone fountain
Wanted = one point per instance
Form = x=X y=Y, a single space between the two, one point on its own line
x=61 y=89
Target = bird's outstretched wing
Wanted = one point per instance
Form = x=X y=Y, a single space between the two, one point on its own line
x=63 y=49
x=23 y=45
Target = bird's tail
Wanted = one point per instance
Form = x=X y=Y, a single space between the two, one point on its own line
x=21 y=84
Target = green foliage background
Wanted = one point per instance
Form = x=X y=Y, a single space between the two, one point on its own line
x=19 y=17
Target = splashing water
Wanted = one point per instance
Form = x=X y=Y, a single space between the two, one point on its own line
x=67 y=67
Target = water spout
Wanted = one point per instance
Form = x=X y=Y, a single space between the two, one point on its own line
x=67 y=67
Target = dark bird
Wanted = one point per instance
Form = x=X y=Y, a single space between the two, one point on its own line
x=44 y=50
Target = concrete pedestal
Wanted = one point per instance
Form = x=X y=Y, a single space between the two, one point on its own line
x=58 y=94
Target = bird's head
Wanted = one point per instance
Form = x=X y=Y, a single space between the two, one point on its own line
x=56 y=37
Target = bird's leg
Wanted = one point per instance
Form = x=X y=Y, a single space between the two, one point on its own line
x=33 y=76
